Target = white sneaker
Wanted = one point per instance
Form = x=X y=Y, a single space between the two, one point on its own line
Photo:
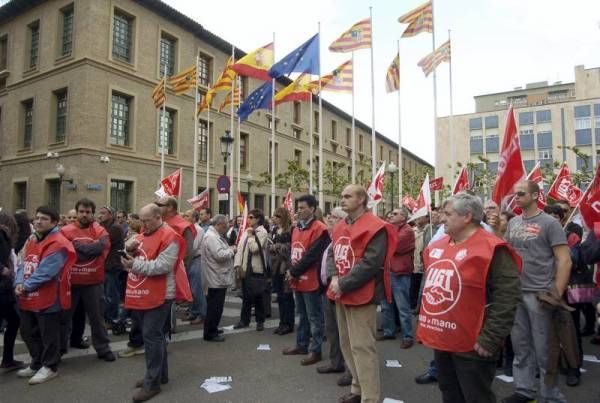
x=26 y=372
x=43 y=375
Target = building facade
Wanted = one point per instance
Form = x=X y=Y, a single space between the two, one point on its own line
x=551 y=118
x=76 y=79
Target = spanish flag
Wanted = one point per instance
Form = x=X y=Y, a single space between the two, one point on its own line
x=206 y=101
x=225 y=80
x=357 y=37
x=183 y=81
x=296 y=91
x=392 y=78
x=432 y=60
x=241 y=202
x=256 y=64
x=340 y=80
x=228 y=101
x=419 y=20
x=158 y=94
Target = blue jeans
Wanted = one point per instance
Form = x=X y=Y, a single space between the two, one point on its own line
x=198 y=308
x=311 y=323
x=113 y=290
x=401 y=294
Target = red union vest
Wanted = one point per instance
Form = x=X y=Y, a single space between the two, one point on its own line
x=454 y=294
x=301 y=242
x=45 y=296
x=90 y=271
x=147 y=292
x=180 y=224
x=349 y=244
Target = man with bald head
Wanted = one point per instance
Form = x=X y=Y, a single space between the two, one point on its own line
x=358 y=264
x=151 y=262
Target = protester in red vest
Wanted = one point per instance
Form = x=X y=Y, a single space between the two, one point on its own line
x=92 y=244
x=42 y=288
x=309 y=240
x=470 y=297
x=154 y=258
x=359 y=263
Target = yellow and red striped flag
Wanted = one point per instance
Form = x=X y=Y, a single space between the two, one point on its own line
x=241 y=202
x=256 y=64
x=357 y=37
x=228 y=101
x=183 y=81
x=206 y=101
x=432 y=60
x=392 y=78
x=158 y=94
x=225 y=80
x=419 y=20
x=296 y=91
x=340 y=80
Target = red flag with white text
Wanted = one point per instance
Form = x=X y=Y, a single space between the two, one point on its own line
x=200 y=201
x=409 y=203
x=375 y=188
x=288 y=202
x=170 y=185
x=536 y=176
x=590 y=203
x=436 y=184
x=563 y=187
x=462 y=181
x=423 y=207
x=510 y=164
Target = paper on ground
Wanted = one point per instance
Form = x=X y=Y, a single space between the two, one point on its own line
x=390 y=400
x=230 y=327
x=505 y=378
x=393 y=364
x=591 y=358
x=218 y=379
x=263 y=347
x=213 y=387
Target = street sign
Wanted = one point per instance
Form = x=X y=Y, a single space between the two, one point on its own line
x=223 y=196
x=223 y=184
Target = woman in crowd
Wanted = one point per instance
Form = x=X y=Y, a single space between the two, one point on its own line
x=280 y=256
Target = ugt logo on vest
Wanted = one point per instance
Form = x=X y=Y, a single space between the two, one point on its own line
x=297 y=252
x=343 y=255
x=442 y=288
x=134 y=280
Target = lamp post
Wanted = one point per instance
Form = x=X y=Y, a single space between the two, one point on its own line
x=392 y=169
x=226 y=141
x=249 y=179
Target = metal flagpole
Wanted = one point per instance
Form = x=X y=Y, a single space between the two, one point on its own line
x=163 y=122
x=272 y=209
x=231 y=124
x=434 y=89
x=399 y=134
x=321 y=201
x=373 y=136
x=239 y=152
x=353 y=141
x=195 y=162
x=451 y=118
x=208 y=150
x=311 y=146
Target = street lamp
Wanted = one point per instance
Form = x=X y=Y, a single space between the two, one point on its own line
x=249 y=179
x=392 y=169
x=226 y=141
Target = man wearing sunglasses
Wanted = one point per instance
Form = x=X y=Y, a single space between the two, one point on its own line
x=542 y=244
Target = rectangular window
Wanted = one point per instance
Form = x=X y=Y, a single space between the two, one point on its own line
x=316 y=122
x=244 y=150
x=544 y=139
x=584 y=164
x=67 y=31
x=167 y=121
x=119 y=127
x=297 y=112
x=491 y=122
x=348 y=136
x=61 y=115
x=529 y=164
x=583 y=123
x=53 y=193
x=259 y=202
x=122 y=37
x=204 y=70
x=4 y=53
x=381 y=153
x=527 y=141
x=525 y=118
x=297 y=133
x=491 y=144
x=360 y=144
x=202 y=140
x=545 y=154
x=298 y=157
x=596 y=109
x=167 y=54
x=121 y=193
x=583 y=137
x=34 y=43
x=20 y=197
x=543 y=116
x=582 y=111
x=492 y=167
x=243 y=83
x=476 y=145
x=27 y=123
x=271 y=156
x=597 y=134
x=333 y=130
x=475 y=124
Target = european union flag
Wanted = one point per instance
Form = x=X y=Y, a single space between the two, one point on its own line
x=259 y=99
x=304 y=59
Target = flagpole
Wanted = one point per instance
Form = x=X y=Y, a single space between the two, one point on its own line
x=195 y=162
x=399 y=134
x=163 y=122
x=434 y=90
x=208 y=149
x=451 y=118
x=239 y=145
x=311 y=146
x=321 y=201
x=373 y=136
x=231 y=124
x=353 y=141
x=273 y=109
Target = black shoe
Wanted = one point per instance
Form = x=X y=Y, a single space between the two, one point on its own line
x=81 y=344
x=215 y=338
x=425 y=379
x=277 y=330
x=508 y=371
x=260 y=327
x=108 y=356
x=573 y=377
x=286 y=330
x=516 y=398
x=240 y=325
x=220 y=331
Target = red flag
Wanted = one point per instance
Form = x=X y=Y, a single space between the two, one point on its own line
x=244 y=226
x=423 y=206
x=510 y=165
x=409 y=203
x=462 y=182
x=436 y=184
x=375 y=188
x=170 y=185
x=563 y=187
x=536 y=176
x=241 y=201
x=590 y=203
x=288 y=202
x=201 y=201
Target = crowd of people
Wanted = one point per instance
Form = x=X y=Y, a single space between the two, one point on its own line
x=488 y=288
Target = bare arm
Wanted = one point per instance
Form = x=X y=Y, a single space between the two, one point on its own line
x=562 y=255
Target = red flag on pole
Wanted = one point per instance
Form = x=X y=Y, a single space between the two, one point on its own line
x=563 y=187
x=201 y=201
x=462 y=181
x=409 y=203
x=170 y=185
x=590 y=202
x=244 y=226
x=423 y=201
x=375 y=188
x=510 y=165
x=288 y=202
x=536 y=176
x=436 y=184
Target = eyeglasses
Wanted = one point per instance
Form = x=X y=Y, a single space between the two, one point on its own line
x=278 y=216
x=251 y=217
x=520 y=194
x=161 y=204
